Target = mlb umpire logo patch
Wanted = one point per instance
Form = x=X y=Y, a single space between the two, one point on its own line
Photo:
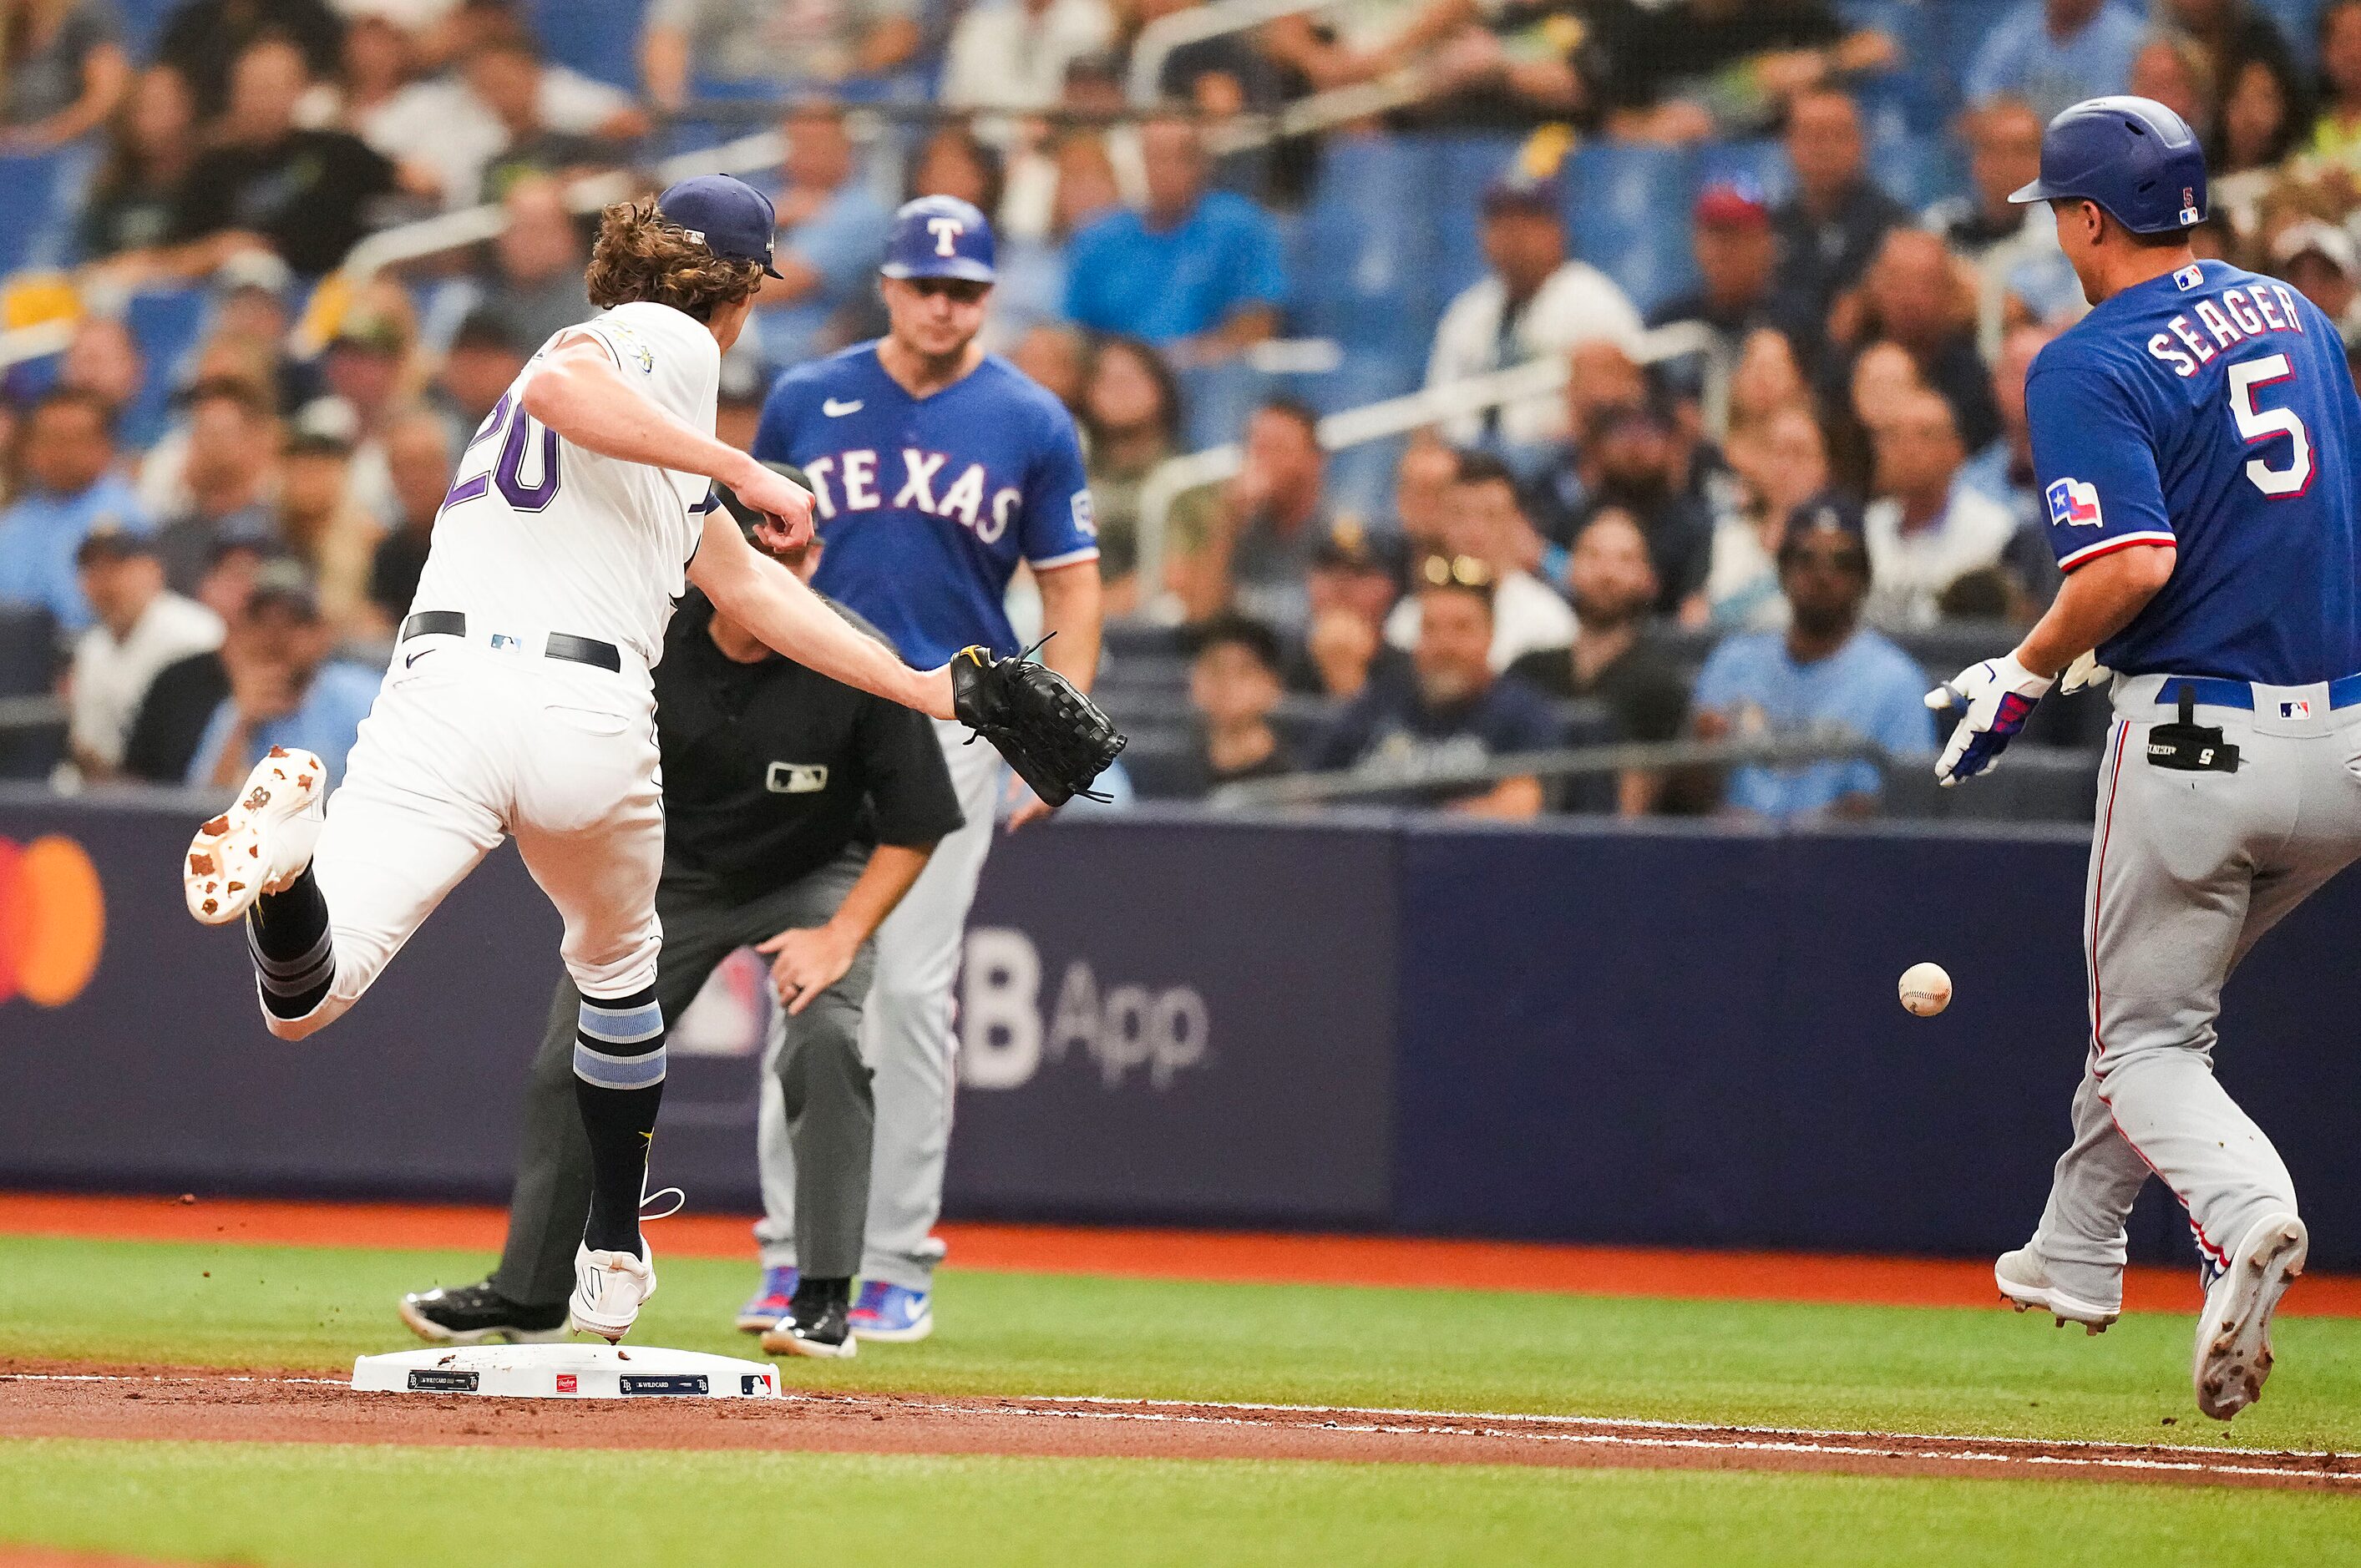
x=2073 y=503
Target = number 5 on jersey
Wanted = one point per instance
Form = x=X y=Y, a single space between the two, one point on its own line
x=507 y=473
x=2263 y=424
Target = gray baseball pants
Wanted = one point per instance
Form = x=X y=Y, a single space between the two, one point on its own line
x=908 y=1039
x=2188 y=872
x=814 y=1082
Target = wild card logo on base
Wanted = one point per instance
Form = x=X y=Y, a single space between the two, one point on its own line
x=2073 y=504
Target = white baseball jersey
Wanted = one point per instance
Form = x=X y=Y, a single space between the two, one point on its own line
x=539 y=534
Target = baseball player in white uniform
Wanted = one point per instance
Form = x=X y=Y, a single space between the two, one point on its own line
x=519 y=699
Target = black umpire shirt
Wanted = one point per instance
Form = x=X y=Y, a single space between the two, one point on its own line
x=770 y=769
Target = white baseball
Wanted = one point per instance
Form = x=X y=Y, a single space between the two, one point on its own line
x=1925 y=990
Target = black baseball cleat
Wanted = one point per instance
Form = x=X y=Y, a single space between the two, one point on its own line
x=818 y=1322
x=471 y=1314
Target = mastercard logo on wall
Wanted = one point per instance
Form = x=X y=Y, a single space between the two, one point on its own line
x=52 y=920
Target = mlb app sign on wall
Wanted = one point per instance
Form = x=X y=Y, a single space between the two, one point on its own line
x=52 y=920
x=2073 y=503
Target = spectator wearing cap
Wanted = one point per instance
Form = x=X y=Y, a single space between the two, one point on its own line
x=420 y=454
x=65 y=454
x=1011 y=55
x=1244 y=545
x=1829 y=228
x=2319 y=260
x=1781 y=459
x=1455 y=711
x=1485 y=524
x=1199 y=273
x=1535 y=302
x=1928 y=527
x=1631 y=455
x=1735 y=252
x=1616 y=660
x=229 y=470
x=368 y=379
x=250 y=292
x=1825 y=676
x=832 y=229
x=1233 y=688
x=284 y=689
x=140 y=626
x=755 y=48
x=1354 y=581
x=309 y=195
x=485 y=358
x=1915 y=296
x=322 y=525
x=2053 y=53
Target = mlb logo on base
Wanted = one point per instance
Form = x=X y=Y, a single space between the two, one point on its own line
x=2073 y=504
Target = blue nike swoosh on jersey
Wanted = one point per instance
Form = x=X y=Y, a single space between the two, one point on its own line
x=835 y=410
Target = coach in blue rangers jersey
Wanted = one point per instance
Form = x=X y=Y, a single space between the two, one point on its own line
x=936 y=469
x=2194 y=436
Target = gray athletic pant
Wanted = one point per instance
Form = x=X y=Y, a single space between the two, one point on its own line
x=907 y=1038
x=813 y=1075
x=2188 y=872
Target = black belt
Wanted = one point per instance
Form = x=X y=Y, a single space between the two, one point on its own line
x=558 y=645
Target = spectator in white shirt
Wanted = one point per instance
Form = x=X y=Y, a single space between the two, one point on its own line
x=1486 y=522
x=140 y=628
x=1536 y=302
x=1011 y=55
x=1927 y=528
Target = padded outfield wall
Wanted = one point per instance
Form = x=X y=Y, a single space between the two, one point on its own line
x=1664 y=1035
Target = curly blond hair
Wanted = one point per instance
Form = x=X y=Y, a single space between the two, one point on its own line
x=641 y=254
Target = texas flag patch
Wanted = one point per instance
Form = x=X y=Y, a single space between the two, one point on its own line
x=2073 y=504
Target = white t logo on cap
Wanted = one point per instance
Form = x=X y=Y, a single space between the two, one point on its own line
x=945 y=230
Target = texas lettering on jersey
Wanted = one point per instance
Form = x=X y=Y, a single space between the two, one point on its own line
x=854 y=481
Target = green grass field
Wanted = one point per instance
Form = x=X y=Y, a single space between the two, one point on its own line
x=1983 y=1373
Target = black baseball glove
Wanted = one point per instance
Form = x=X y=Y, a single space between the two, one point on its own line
x=1054 y=736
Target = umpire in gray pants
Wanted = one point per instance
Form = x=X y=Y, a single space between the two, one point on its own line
x=797 y=812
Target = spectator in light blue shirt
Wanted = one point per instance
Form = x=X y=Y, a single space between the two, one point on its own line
x=71 y=487
x=831 y=236
x=285 y=690
x=1826 y=674
x=2052 y=53
x=1198 y=272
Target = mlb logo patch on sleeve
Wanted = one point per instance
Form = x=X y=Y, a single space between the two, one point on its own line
x=2074 y=504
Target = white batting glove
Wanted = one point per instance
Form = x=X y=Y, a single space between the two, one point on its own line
x=1995 y=699
x=2085 y=671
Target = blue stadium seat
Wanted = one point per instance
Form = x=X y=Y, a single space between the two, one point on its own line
x=2300 y=21
x=34 y=230
x=1918 y=171
x=1763 y=162
x=597 y=38
x=1627 y=212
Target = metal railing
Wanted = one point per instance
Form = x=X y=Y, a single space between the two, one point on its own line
x=1376 y=422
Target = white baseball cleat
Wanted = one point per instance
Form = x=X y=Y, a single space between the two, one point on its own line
x=261 y=844
x=2233 y=1333
x=609 y=1289
x=2024 y=1281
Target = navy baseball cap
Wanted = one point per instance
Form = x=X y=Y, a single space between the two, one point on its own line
x=729 y=216
x=2134 y=157
x=940 y=236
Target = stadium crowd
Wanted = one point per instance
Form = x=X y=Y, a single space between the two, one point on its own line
x=1737 y=535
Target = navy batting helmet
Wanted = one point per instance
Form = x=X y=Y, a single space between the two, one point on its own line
x=940 y=236
x=2134 y=157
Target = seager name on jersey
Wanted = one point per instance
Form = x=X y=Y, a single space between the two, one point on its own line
x=2224 y=321
x=861 y=479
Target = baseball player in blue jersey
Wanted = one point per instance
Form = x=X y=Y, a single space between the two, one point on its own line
x=2194 y=436
x=936 y=469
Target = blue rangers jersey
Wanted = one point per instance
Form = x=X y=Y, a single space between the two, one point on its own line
x=2212 y=410
x=926 y=507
